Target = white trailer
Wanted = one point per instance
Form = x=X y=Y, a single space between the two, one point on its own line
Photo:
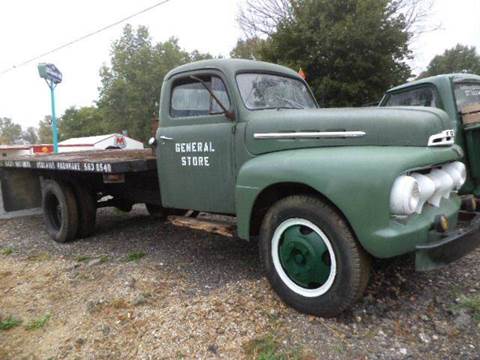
x=100 y=142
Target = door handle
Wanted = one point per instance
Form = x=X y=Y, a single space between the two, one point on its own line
x=162 y=137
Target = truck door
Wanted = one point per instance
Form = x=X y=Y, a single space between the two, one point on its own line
x=195 y=145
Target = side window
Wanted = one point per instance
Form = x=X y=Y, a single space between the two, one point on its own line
x=425 y=96
x=190 y=98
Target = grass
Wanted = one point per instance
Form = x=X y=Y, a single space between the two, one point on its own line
x=9 y=323
x=472 y=304
x=41 y=256
x=38 y=323
x=86 y=258
x=6 y=251
x=268 y=348
x=135 y=256
x=82 y=258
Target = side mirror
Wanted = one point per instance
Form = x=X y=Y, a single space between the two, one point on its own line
x=152 y=142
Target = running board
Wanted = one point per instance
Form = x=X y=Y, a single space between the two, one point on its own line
x=214 y=227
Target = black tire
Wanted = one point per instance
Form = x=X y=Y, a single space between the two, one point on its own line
x=60 y=211
x=87 y=211
x=343 y=286
x=158 y=211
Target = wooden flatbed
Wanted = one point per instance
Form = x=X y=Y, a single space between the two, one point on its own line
x=127 y=176
x=103 y=162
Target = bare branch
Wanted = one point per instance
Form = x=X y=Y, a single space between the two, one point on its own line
x=416 y=14
x=260 y=18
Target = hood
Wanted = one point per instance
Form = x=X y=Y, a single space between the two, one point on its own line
x=274 y=130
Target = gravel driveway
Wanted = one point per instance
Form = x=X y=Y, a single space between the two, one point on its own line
x=143 y=289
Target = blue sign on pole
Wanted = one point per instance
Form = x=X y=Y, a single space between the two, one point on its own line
x=52 y=77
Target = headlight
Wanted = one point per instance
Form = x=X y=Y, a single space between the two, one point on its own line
x=426 y=187
x=457 y=172
x=443 y=186
x=405 y=196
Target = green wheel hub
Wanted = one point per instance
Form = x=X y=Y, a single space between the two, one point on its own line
x=304 y=256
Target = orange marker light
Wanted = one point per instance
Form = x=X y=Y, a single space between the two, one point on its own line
x=302 y=74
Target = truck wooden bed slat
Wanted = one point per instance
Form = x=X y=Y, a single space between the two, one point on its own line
x=105 y=162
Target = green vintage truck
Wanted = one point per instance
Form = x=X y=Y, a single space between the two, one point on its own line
x=459 y=96
x=321 y=190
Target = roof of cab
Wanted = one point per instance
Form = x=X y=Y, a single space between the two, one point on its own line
x=232 y=66
x=457 y=77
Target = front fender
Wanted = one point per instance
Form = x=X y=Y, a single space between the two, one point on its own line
x=357 y=180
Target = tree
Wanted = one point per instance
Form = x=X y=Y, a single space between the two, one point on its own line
x=30 y=135
x=460 y=58
x=252 y=49
x=10 y=132
x=131 y=85
x=45 y=135
x=261 y=18
x=350 y=50
x=86 y=121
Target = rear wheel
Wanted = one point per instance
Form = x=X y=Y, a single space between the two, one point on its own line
x=311 y=257
x=60 y=211
x=87 y=211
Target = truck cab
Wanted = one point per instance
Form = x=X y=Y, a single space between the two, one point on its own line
x=459 y=96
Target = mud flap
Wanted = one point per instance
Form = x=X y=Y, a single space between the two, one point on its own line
x=20 y=193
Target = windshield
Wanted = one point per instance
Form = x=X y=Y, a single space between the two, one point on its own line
x=266 y=91
x=467 y=94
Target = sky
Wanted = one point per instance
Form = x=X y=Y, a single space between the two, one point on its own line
x=29 y=28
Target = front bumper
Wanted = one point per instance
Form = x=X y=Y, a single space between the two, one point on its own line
x=451 y=246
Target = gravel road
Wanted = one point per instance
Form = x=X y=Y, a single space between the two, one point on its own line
x=143 y=289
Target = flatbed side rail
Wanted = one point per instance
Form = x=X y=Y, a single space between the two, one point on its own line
x=103 y=162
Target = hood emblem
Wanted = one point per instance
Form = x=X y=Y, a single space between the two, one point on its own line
x=445 y=138
x=310 y=135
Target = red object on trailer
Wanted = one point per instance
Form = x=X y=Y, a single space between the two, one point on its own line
x=42 y=149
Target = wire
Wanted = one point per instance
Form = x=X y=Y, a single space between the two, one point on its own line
x=84 y=37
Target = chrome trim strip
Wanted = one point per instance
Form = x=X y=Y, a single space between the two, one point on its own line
x=445 y=138
x=310 y=135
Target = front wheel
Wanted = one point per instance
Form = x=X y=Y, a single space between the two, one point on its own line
x=311 y=258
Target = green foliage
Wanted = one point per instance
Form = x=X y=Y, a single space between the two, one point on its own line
x=6 y=251
x=83 y=258
x=457 y=59
x=86 y=121
x=9 y=131
x=38 y=323
x=350 y=50
x=135 y=256
x=130 y=86
x=30 y=135
x=268 y=348
x=45 y=131
x=472 y=304
x=9 y=323
x=249 y=49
